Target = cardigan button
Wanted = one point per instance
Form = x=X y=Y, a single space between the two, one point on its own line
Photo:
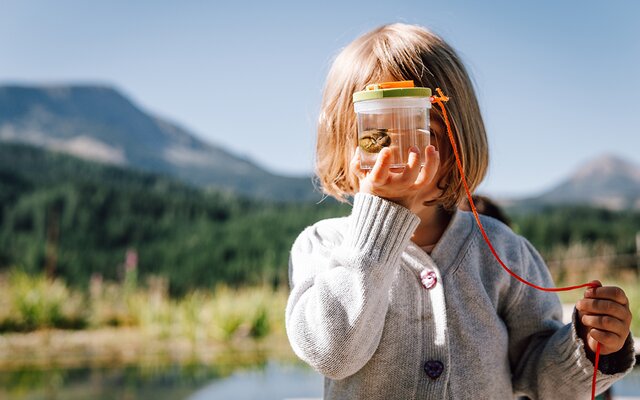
x=428 y=279
x=433 y=368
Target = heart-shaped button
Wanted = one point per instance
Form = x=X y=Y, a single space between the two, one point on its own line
x=433 y=368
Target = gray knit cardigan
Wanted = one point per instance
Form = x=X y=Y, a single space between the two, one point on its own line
x=382 y=319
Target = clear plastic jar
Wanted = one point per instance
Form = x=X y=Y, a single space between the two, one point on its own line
x=394 y=115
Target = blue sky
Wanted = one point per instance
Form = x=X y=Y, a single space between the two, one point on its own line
x=557 y=80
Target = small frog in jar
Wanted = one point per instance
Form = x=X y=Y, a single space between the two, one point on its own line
x=373 y=140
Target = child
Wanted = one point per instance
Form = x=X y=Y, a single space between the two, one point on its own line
x=403 y=299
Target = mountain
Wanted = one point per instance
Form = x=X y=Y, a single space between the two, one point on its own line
x=99 y=123
x=607 y=181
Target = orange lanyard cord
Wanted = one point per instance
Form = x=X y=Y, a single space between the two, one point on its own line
x=440 y=100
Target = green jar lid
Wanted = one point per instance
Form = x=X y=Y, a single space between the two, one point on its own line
x=391 y=89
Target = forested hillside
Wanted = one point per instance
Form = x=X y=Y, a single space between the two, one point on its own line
x=555 y=226
x=75 y=218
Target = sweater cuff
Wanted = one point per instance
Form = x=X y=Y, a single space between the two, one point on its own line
x=379 y=228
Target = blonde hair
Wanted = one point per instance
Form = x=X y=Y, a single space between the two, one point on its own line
x=402 y=52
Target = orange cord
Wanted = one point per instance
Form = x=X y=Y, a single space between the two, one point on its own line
x=439 y=100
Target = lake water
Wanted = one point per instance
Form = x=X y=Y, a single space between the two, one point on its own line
x=269 y=381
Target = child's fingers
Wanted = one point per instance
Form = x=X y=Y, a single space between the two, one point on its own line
x=596 y=283
x=607 y=292
x=432 y=162
x=606 y=323
x=603 y=307
x=412 y=169
x=609 y=341
x=380 y=171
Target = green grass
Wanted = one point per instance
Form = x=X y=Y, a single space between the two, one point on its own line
x=33 y=302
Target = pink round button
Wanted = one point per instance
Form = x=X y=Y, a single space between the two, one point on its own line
x=428 y=279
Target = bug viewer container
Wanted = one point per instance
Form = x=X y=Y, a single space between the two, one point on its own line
x=394 y=115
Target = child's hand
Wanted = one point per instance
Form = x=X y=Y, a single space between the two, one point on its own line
x=410 y=188
x=605 y=316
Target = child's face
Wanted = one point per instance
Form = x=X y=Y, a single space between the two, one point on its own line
x=438 y=132
x=439 y=139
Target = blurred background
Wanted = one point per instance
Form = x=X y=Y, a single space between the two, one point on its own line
x=156 y=162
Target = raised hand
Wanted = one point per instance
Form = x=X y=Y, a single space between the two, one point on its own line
x=409 y=187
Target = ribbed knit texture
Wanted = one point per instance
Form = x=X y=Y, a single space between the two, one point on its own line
x=358 y=313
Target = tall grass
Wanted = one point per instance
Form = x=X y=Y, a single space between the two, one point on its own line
x=32 y=302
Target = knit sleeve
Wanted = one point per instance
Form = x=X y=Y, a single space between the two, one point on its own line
x=548 y=360
x=340 y=291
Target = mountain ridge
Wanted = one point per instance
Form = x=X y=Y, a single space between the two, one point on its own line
x=100 y=123
x=608 y=181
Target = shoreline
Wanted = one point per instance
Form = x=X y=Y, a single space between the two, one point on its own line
x=112 y=347
x=136 y=346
